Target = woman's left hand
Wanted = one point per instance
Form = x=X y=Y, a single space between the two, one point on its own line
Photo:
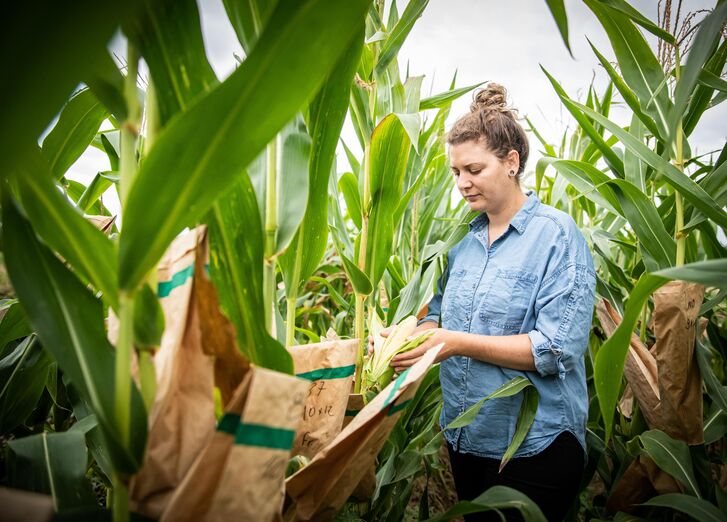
x=404 y=360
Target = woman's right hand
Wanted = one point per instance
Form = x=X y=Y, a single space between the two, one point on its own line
x=384 y=333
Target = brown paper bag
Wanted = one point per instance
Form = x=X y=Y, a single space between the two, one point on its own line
x=239 y=475
x=330 y=367
x=642 y=480
x=103 y=223
x=676 y=308
x=640 y=368
x=319 y=490
x=197 y=352
x=182 y=417
x=355 y=405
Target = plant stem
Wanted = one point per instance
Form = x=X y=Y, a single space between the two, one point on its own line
x=679 y=236
x=292 y=297
x=125 y=343
x=130 y=128
x=147 y=373
x=271 y=230
x=359 y=327
x=120 y=499
x=360 y=324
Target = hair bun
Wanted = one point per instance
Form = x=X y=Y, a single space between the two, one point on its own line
x=491 y=97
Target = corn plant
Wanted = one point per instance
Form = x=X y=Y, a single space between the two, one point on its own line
x=196 y=145
x=651 y=210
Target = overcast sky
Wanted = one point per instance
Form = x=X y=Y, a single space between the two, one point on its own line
x=484 y=40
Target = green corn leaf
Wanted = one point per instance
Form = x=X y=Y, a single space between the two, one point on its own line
x=511 y=387
x=348 y=185
x=691 y=191
x=416 y=293
x=716 y=390
x=13 y=325
x=496 y=498
x=327 y=113
x=702 y=48
x=696 y=508
x=646 y=222
x=107 y=84
x=557 y=9
x=249 y=18
x=23 y=374
x=53 y=464
x=711 y=80
x=236 y=264
x=293 y=146
x=169 y=37
x=359 y=280
x=70 y=324
x=609 y=155
x=212 y=141
x=702 y=97
x=50 y=55
x=625 y=8
x=712 y=272
x=715 y=425
x=76 y=127
x=639 y=67
x=399 y=32
x=293 y=181
x=389 y=153
x=525 y=419
x=588 y=181
x=672 y=456
x=634 y=168
x=445 y=99
x=628 y=95
x=148 y=319
x=82 y=245
x=94 y=191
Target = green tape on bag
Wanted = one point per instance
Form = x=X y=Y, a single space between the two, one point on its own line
x=328 y=373
x=395 y=388
x=398 y=407
x=264 y=436
x=164 y=288
x=229 y=423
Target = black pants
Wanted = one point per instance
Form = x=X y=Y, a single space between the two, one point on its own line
x=551 y=478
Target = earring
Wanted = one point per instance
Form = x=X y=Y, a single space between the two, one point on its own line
x=512 y=174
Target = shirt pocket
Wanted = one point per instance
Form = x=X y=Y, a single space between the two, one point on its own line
x=507 y=301
x=454 y=283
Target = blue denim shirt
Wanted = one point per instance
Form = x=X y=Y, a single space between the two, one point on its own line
x=536 y=279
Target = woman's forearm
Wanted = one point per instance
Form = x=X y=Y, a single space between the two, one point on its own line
x=510 y=351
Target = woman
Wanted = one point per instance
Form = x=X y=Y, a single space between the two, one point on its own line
x=518 y=301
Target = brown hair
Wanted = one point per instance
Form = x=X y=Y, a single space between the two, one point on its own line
x=490 y=120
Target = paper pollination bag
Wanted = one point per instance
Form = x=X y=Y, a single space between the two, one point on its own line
x=676 y=308
x=329 y=367
x=197 y=352
x=319 y=490
x=239 y=475
x=182 y=416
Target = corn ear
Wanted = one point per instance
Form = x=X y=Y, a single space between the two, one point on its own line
x=377 y=371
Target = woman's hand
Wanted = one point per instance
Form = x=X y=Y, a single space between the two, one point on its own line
x=404 y=360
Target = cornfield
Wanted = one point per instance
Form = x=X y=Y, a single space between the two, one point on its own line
x=232 y=197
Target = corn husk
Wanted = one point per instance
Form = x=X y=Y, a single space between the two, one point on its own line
x=377 y=371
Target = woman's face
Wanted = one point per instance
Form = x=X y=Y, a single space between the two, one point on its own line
x=482 y=178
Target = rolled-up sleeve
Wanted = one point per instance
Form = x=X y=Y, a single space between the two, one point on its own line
x=563 y=311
